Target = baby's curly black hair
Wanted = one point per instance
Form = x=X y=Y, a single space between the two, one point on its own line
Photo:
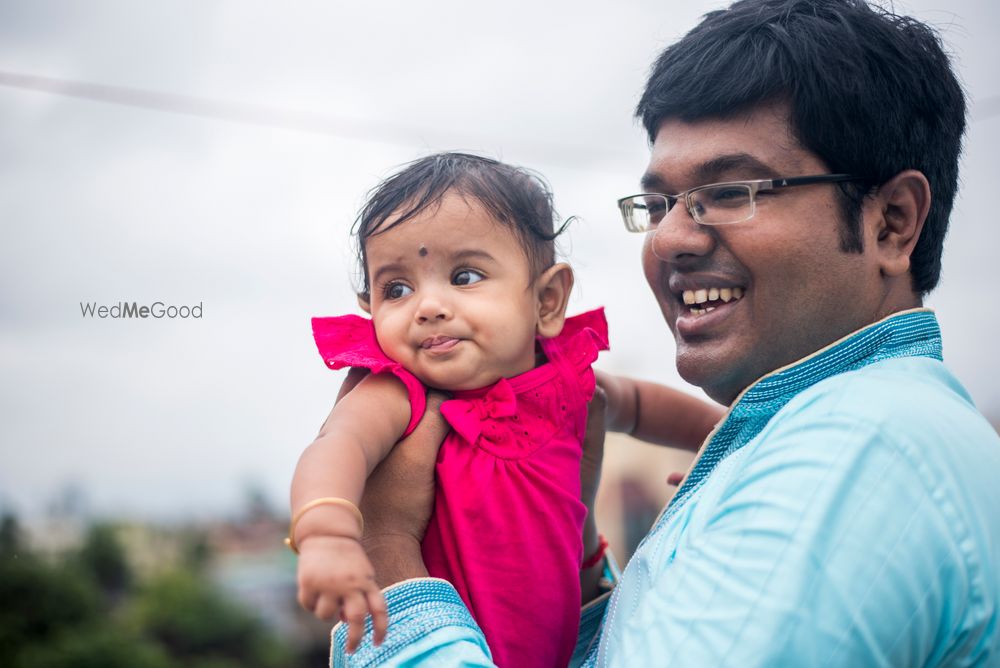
x=514 y=196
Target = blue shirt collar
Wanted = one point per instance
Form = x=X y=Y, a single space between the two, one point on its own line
x=912 y=333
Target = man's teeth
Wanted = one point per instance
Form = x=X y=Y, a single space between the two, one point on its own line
x=710 y=295
x=701 y=296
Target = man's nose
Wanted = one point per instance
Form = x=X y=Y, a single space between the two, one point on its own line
x=432 y=306
x=678 y=237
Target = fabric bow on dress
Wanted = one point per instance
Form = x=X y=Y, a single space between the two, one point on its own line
x=466 y=416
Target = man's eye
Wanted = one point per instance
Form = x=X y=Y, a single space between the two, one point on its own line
x=397 y=291
x=466 y=277
x=732 y=196
x=656 y=209
x=656 y=212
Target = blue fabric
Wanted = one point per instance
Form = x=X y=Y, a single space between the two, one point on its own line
x=429 y=626
x=845 y=513
x=591 y=619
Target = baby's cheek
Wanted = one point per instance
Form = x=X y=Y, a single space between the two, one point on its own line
x=394 y=347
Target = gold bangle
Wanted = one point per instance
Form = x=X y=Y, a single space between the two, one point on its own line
x=323 y=501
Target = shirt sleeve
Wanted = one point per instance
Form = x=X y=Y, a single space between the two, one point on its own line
x=430 y=626
x=588 y=636
x=828 y=546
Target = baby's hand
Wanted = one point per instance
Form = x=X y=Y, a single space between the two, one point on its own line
x=336 y=580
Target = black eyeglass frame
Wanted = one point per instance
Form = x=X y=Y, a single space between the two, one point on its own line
x=755 y=186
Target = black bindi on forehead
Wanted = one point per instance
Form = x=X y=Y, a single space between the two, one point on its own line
x=422 y=251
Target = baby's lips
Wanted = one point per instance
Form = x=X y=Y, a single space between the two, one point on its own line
x=439 y=342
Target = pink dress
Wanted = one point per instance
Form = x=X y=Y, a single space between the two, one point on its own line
x=508 y=519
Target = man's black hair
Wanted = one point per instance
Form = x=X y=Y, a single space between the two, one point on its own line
x=514 y=196
x=869 y=92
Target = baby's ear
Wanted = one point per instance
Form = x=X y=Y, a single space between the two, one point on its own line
x=553 y=286
x=365 y=303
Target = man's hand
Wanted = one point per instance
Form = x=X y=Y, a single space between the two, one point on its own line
x=399 y=499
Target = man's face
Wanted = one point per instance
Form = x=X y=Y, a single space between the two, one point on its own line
x=800 y=291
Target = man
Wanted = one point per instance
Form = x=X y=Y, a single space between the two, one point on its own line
x=846 y=510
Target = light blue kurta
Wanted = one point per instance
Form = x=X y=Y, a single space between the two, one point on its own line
x=846 y=512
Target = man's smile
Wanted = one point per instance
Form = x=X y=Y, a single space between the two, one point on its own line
x=704 y=300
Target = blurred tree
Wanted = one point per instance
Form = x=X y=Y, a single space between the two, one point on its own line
x=37 y=599
x=86 y=609
x=193 y=620
x=103 y=558
x=11 y=536
x=196 y=552
x=94 y=647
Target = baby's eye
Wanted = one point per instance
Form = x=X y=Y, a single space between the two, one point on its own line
x=466 y=277
x=397 y=291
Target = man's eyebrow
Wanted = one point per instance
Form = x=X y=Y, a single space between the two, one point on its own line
x=741 y=166
x=651 y=182
x=729 y=167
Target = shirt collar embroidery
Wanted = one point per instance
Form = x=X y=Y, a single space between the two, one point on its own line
x=912 y=333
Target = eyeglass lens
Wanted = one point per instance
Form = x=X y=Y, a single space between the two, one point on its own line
x=711 y=205
x=719 y=205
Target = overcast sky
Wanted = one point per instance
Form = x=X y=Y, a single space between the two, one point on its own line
x=216 y=153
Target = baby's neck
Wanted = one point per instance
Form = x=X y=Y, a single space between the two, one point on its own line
x=540 y=357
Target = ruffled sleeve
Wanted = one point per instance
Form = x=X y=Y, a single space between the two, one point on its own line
x=576 y=348
x=583 y=337
x=349 y=341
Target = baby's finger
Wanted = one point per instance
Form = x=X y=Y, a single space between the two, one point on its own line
x=380 y=615
x=327 y=607
x=307 y=598
x=354 y=611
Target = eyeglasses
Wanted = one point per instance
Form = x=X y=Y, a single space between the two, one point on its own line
x=712 y=204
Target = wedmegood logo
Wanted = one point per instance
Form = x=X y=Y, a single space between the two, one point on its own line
x=156 y=310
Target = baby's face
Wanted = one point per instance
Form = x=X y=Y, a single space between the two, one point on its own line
x=452 y=296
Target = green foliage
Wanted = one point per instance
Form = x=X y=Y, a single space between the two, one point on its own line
x=94 y=647
x=102 y=557
x=195 y=552
x=87 y=609
x=11 y=536
x=192 y=620
x=38 y=599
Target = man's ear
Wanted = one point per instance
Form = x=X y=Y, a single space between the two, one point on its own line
x=903 y=202
x=365 y=303
x=553 y=288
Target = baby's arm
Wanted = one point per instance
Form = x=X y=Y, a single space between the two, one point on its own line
x=656 y=413
x=335 y=577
